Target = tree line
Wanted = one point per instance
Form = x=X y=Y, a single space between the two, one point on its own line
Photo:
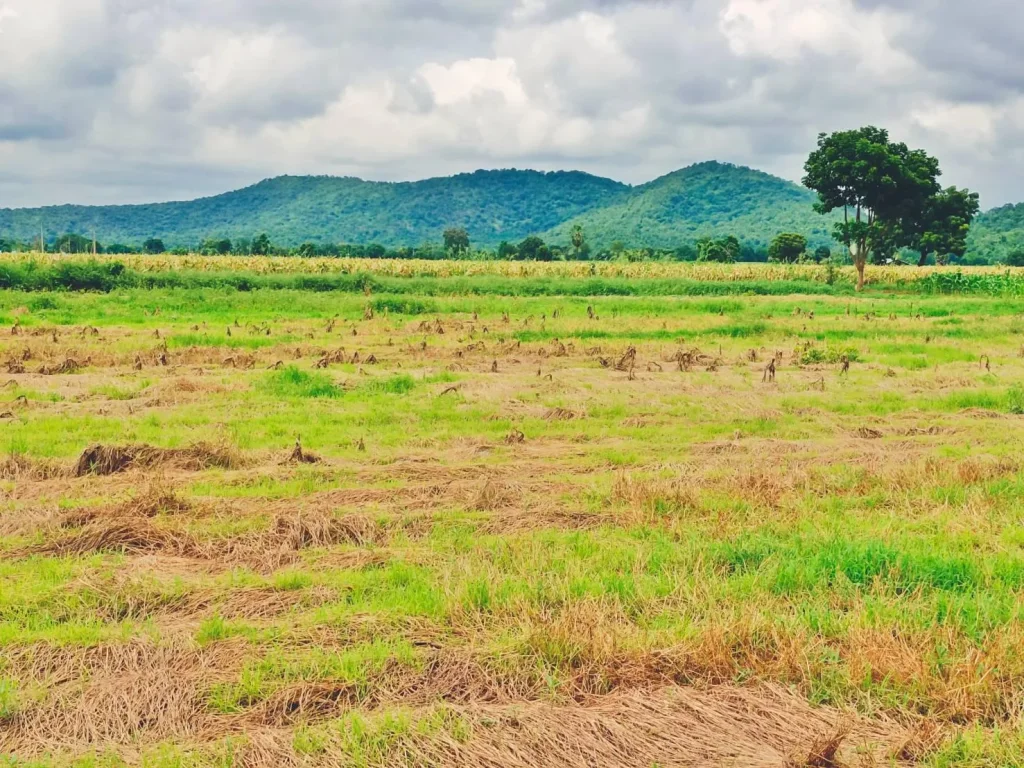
x=786 y=247
x=455 y=244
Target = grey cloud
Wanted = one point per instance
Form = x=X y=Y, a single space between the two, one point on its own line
x=161 y=99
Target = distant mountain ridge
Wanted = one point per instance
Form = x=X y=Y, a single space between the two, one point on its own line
x=492 y=206
x=707 y=199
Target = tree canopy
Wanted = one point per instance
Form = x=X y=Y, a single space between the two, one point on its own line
x=725 y=249
x=787 y=247
x=889 y=195
x=456 y=241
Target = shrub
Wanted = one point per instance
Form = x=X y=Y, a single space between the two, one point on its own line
x=829 y=355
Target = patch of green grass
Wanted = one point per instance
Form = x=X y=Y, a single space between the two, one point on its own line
x=113 y=392
x=10 y=700
x=236 y=341
x=353 y=667
x=291 y=381
x=1015 y=400
x=392 y=385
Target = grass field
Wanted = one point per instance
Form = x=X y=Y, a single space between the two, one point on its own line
x=523 y=531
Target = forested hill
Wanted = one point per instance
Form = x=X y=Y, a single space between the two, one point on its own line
x=708 y=199
x=998 y=232
x=491 y=205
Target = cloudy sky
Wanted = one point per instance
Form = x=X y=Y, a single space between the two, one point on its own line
x=105 y=101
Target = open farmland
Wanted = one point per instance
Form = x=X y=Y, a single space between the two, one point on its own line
x=447 y=525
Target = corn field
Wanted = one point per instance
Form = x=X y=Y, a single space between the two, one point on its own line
x=263 y=265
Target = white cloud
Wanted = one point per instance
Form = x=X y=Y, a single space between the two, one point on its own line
x=471 y=78
x=789 y=29
x=6 y=12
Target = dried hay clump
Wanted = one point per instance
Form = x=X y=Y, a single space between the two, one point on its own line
x=133 y=693
x=157 y=499
x=684 y=727
x=823 y=752
x=289 y=535
x=187 y=385
x=111 y=459
x=563 y=414
x=494 y=495
x=19 y=467
x=69 y=365
x=121 y=535
x=299 y=456
x=295 y=533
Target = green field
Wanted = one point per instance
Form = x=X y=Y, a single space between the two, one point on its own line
x=560 y=530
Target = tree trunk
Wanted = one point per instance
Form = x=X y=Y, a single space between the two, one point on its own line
x=922 y=260
x=860 y=262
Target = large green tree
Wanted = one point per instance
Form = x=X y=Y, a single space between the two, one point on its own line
x=787 y=247
x=154 y=245
x=726 y=249
x=215 y=246
x=533 y=249
x=73 y=243
x=456 y=241
x=880 y=186
x=261 y=245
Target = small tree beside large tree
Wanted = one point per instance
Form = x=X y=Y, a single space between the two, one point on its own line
x=943 y=227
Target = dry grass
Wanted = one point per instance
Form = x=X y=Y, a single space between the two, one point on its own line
x=761 y=727
x=552 y=462
x=109 y=460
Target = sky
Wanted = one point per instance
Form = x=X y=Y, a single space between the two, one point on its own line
x=126 y=101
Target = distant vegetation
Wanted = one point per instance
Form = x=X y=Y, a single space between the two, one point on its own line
x=484 y=215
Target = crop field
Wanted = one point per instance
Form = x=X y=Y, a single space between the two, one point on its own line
x=728 y=273
x=286 y=527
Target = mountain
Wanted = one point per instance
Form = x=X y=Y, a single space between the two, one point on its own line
x=708 y=199
x=491 y=205
x=997 y=232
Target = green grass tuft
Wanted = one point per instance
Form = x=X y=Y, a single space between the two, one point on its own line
x=294 y=382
